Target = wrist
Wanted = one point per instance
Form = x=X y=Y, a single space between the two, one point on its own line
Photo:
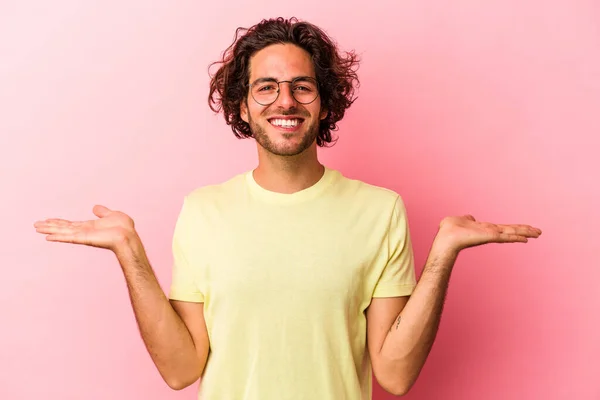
x=129 y=246
x=444 y=246
x=442 y=255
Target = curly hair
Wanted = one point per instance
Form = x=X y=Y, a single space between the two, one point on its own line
x=335 y=72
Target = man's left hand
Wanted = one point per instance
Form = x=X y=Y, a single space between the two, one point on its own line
x=458 y=233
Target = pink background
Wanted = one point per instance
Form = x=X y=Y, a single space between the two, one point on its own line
x=489 y=108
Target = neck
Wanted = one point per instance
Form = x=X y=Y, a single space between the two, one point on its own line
x=288 y=174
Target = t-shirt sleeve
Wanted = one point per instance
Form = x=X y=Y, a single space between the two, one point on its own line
x=398 y=276
x=185 y=269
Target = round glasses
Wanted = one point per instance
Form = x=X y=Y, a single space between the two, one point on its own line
x=265 y=91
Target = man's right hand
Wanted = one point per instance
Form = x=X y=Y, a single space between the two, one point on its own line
x=174 y=333
x=110 y=231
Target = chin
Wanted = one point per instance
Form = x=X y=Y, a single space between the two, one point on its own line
x=284 y=144
x=286 y=151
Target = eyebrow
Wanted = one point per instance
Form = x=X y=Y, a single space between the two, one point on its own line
x=271 y=79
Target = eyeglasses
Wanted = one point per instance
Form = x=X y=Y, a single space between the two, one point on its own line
x=265 y=91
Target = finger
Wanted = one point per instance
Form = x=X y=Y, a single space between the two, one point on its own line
x=101 y=211
x=57 y=223
x=64 y=238
x=53 y=222
x=60 y=238
x=67 y=235
x=50 y=229
x=524 y=230
x=469 y=216
x=511 y=238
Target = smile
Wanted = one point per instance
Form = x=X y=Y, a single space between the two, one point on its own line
x=286 y=123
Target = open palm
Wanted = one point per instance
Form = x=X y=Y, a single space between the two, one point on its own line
x=108 y=231
x=466 y=232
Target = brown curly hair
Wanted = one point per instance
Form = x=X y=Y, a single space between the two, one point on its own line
x=335 y=72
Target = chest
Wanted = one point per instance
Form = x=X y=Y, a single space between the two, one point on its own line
x=292 y=259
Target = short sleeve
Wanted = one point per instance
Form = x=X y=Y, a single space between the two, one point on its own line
x=184 y=275
x=398 y=276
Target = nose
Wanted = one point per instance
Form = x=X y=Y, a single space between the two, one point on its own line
x=286 y=98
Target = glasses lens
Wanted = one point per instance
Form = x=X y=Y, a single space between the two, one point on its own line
x=265 y=92
x=304 y=90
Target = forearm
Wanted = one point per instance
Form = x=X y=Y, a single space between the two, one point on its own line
x=166 y=337
x=412 y=334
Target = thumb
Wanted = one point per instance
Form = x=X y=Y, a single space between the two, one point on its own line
x=101 y=211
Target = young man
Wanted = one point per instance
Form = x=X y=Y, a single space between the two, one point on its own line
x=290 y=281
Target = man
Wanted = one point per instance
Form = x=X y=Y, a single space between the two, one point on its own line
x=290 y=281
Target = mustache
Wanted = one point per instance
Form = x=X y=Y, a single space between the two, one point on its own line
x=290 y=111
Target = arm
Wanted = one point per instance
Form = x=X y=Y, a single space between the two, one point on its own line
x=401 y=331
x=174 y=333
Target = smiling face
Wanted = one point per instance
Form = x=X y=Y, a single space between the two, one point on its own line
x=285 y=127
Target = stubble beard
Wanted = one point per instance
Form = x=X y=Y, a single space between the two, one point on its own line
x=261 y=137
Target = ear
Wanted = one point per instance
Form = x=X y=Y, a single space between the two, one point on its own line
x=324 y=113
x=244 y=110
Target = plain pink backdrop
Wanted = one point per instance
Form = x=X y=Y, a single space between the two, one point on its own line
x=489 y=108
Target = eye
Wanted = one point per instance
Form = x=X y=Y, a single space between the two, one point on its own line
x=266 y=88
x=304 y=88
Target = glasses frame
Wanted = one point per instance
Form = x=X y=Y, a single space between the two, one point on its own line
x=300 y=78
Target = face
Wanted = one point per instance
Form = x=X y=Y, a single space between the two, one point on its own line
x=285 y=127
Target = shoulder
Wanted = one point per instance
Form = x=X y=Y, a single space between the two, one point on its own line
x=216 y=193
x=360 y=190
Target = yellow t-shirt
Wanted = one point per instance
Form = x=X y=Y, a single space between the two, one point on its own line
x=285 y=280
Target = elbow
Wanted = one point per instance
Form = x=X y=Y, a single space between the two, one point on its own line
x=180 y=382
x=395 y=382
x=400 y=391
x=397 y=388
x=176 y=385
x=397 y=376
x=179 y=376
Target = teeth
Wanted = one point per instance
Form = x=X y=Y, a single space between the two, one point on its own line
x=286 y=123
